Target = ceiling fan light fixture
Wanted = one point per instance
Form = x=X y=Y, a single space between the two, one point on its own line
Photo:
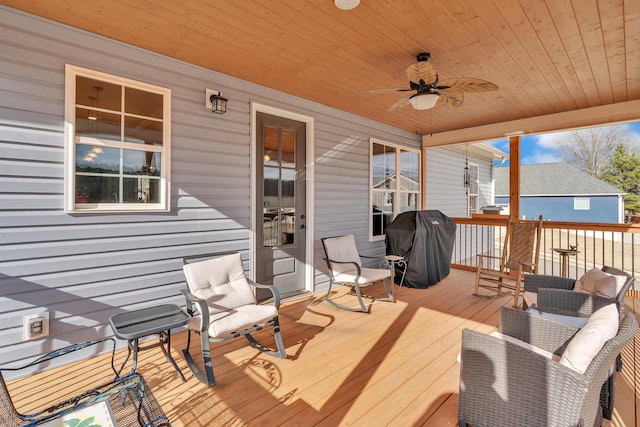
x=424 y=101
x=346 y=4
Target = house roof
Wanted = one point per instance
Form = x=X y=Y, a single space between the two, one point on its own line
x=547 y=57
x=552 y=179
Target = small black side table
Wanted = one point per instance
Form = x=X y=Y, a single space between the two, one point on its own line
x=158 y=320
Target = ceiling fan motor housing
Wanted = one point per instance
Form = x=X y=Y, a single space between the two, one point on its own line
x=424 y=56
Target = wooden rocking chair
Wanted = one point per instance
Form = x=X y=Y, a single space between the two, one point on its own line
x=520 y=254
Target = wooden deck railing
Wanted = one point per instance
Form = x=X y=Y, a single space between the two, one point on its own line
x=615 y=245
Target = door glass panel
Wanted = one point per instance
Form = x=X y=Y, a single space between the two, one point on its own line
x=270 y=227
x=279 y=176
x=288 y=226
x=288 y=148
x=270 y=150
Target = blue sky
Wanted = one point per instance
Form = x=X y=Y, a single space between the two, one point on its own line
x=544 y=148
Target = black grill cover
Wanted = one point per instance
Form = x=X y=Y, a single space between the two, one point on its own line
x=425 y=240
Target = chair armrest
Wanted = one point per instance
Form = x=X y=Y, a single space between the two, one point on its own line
x=528 y=326
x=482 y=257
x=533 y=282
x=580 y=303
x=355 y=264
x=202 y=308
x=502 y=378
x=274 y=291
x=627 y=284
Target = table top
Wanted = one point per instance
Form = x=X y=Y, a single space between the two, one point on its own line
x=148 y=321
x=394 y=257
x=565 y=251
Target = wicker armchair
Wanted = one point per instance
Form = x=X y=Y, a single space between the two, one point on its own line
x=504 y=384
x=534 y=282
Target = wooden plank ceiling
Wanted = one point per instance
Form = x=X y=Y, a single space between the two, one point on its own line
x=546 y=56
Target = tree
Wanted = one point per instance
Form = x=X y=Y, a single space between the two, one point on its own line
x=589 y=150
x=623 y=172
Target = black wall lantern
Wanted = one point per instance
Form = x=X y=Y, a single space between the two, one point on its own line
x=216 y=102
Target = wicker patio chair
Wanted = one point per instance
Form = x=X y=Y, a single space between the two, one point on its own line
x=534 y=282
x=520 y=254
x=505 y=384
x=223 y=306
x=345 y=268
x=554 y=297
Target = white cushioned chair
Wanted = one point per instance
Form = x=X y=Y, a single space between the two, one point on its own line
x=223 y=306
x=345 y=268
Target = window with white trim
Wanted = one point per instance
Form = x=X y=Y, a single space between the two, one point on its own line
x=472 y=191
x=395 y=184
x=117 y=143
x=581 y=203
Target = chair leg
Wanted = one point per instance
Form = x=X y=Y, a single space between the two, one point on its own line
x=207 y=376
x=390 y=296
x=281 y=353
x=344 y=307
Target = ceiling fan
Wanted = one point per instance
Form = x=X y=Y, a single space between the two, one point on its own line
x=429 y=90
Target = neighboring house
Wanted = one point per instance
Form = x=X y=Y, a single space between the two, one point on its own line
x=444 y=178
x=560 y=192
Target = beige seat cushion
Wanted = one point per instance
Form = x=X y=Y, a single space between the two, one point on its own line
x=526 y=345
x=223 y=323
x=587 y=342
x=367 y=276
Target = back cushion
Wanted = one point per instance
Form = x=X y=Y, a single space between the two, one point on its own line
x=587 y=342
x=220 y=281
x=597 y=282
x=342 y=249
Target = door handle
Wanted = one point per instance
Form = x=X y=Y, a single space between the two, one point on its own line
x=302 y=227
x=302 y=216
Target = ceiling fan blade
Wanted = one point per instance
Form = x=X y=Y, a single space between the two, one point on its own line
x=451 y=97
x=387 y=90
x=466 y=84
x=422 y=70
x=402 y=102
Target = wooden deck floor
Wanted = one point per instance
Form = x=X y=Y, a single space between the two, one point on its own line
x=395 y=366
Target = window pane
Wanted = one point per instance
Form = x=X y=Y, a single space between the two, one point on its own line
x=143 y=103
x=98 y=124
x=95 y=159
x=270 y=154
x=288 y=187
x=287 y=226
x=141 y=163
x=408 y=202
x=141 y=190
x=98 y=94
x=409 y=171
x=288 y=148
x=142 y=131
x=473 y=179
x=270 y=227
x=271 y=187
x=97 y=189
x=383 y=166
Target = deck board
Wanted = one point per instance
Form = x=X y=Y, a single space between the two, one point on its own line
x=393 y=366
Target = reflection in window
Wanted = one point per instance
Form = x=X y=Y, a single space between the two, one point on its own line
x=120 y=143
x=395 y=183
